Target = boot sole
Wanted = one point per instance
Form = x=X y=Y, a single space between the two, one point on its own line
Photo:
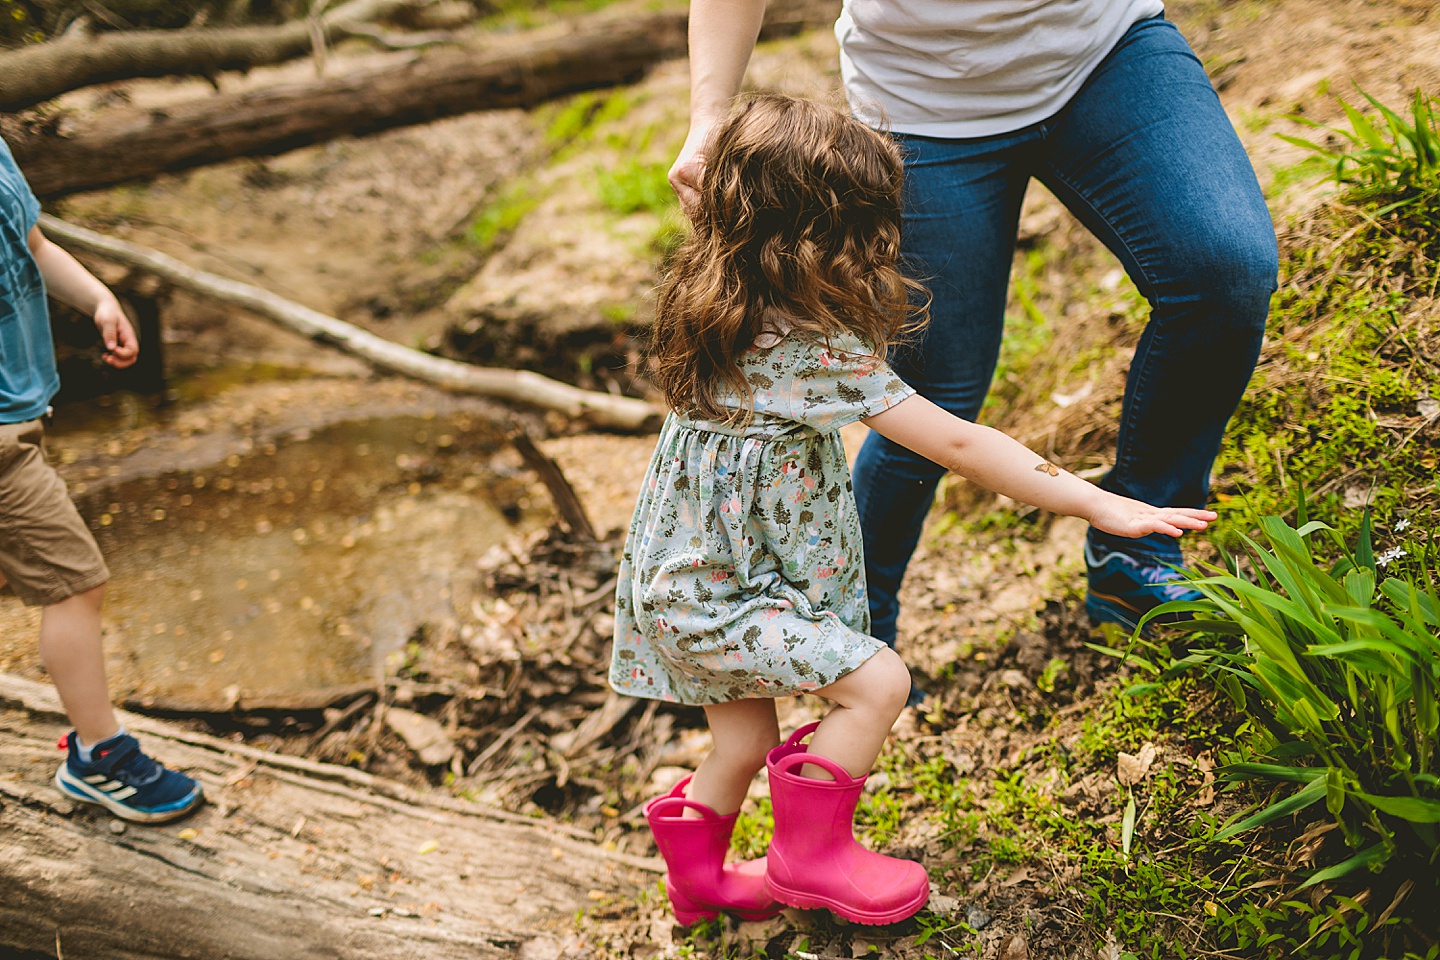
x=806 y=901
x=688 y=913
x=687 y=919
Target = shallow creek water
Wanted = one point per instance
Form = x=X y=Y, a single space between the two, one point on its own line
x=297 y=569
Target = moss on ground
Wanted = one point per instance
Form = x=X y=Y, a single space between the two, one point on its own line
x=1341 y=409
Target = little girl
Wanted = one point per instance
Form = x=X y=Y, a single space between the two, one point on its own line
x=742 y=579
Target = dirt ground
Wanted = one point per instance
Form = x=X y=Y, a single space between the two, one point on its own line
x=374 y=231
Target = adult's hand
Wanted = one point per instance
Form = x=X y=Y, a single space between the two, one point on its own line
x=722 y=35
x=689 y=167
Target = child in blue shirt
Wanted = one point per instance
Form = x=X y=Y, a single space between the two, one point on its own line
x=47 y=554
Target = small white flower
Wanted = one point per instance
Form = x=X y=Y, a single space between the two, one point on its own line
x=1394 y=553
x=1400 y=525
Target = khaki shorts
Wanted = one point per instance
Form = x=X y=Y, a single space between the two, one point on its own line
x=46 y=552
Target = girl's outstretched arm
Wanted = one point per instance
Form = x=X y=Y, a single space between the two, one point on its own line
x=1006 y=466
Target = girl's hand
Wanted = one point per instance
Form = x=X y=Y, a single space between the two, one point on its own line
x=121 y=346
x=1124 y=517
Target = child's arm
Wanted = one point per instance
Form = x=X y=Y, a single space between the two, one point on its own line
x=71 y=283
x=1003 y=465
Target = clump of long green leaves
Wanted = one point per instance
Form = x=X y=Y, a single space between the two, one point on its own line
x=1398 y=156
x=1344 y=674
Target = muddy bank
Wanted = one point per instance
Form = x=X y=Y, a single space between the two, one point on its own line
x=276 y=542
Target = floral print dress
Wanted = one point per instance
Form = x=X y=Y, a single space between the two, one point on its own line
x=743 y=574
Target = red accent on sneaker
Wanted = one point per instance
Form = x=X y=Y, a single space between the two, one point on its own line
x=63 y=743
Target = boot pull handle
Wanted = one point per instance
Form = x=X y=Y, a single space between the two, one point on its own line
x=675 y=807
x=790 y=762
x=802 y=733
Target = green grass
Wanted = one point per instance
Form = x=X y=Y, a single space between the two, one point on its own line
x=526 y=14
x=1395 y=154
x=1339 y=402
x=498 y=220
x=753 y=829
x=1339 y=674
x=636 y=186
x=582 y=119
x=1027 y=333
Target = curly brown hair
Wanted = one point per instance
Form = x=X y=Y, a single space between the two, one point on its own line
x=799 y=214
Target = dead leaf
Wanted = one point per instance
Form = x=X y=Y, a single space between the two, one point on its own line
x=1018 y=877
x=423 y=735
x=1015 y=948
x=1134 y=768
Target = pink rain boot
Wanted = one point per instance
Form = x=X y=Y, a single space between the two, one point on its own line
x=814 y=860
x=699 y=882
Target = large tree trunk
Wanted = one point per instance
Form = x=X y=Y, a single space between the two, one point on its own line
x=289 y=859
x=34 y=74
x=522 y=386
x=605 y=51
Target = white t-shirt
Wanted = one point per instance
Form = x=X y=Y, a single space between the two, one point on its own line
x=974 y=68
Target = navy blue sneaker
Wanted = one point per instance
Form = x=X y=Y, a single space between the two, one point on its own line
x=1125 y=586
x=123 y=780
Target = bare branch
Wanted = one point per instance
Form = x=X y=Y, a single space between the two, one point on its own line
x=521 y=386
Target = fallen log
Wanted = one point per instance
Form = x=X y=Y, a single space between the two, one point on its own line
x=520 y=386
x=34 y=74
x=604 y=50
x=289 y=858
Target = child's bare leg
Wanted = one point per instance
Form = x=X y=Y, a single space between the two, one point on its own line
x=868 y=700
x=743 y=732
x=70 y=649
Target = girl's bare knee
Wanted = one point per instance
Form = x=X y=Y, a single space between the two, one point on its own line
x=880 y=685
x=891 y=681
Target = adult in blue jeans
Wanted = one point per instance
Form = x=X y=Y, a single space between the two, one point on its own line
x=1103 y=102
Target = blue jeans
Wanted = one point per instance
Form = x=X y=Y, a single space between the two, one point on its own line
x=1145 y=157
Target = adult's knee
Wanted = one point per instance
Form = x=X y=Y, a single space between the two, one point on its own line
x=1227 y=277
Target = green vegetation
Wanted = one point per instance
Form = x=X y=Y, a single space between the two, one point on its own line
x=1341 y=681
x=634 y=186
x=633 y=181
x=581 y=119
x=498 y=220
x=1027 y=334
x=1397 y=157
x=525 y=14
x=753 y=829
x=1341 y=402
